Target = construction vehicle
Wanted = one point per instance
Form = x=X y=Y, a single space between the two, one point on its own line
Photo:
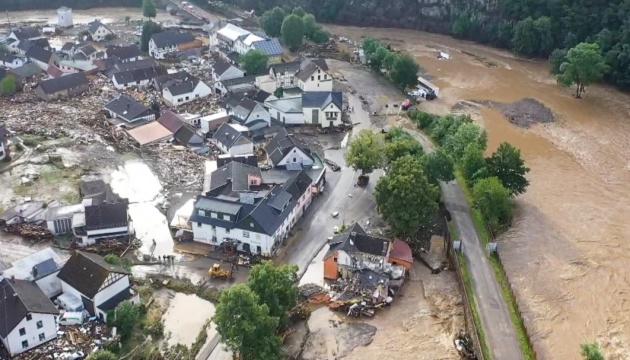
x=217 y=272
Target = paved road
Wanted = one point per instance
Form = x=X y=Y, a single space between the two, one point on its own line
x=495 y=318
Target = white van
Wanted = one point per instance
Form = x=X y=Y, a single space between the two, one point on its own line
x=72 y=318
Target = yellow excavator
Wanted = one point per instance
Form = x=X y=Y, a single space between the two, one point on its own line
x=217 y=272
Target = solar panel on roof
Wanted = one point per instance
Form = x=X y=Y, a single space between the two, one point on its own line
x=45 y=267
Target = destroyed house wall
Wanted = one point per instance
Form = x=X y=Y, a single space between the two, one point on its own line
x=34 y=335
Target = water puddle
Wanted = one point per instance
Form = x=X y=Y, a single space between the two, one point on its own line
x=185 y=317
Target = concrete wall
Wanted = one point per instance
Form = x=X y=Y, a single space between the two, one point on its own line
x=14 y=340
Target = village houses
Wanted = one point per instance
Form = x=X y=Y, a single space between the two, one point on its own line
x=171 y=41
x=64 y=86
x=288 y=151
x=131 y=112
x=11 y=61
x=42 y=57
x=231 y=139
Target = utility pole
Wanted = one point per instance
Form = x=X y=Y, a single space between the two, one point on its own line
x=8 y=20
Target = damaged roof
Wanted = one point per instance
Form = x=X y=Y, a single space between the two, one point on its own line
x=355 y=239
x=86 y=272
x=234 y=173
x=20 y=298
x=63 y=83
x=132 y=76
x=123 y=52
x=171 y=38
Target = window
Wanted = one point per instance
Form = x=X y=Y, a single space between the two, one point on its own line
x=180 y=100
x=187 y=98
x=40 y=324
x=294 y=159
x=198 y=224
x=202 y=212
x=197 y=95
x=325 y=76
x=313 y=77
x=29 y=317
x=319 y=77
x=335 y=259
x=226 y=217
x=42 y=337
x=214 y=215
x=25 y=344
x=319 y=71
x=22 y=332
x=245 y=233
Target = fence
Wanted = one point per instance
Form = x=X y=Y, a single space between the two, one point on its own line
x=468 y=316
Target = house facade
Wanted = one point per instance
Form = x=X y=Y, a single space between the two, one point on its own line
x=29 y=317
x=230 y=139
x=287 y=151
x=11 y=61
x=98 y=31
x=64 y=17
x=65 y=86
x=314 y=76
x=98 y=285
x=284 y=74
x=182 y=92
x=102 y=221
x=251 y=114
x=322 y=108
x=171 y=41
x=287 y=111
x=222 y=70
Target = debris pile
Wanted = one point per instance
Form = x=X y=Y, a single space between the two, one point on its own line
x=72 y=342
x=314 y=293
x=464 y=345
x=29 y=231
x=300 y=312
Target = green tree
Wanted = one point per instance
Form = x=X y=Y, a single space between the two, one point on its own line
x=584 y=65
x=115 y=260
x=365 y=151
x=7 y=86
x=404 y=71
x=438 y=167
x=271 y=21
x=320 y=36
x=556 y=59
x=446 y=126
x=148 y=29
x=292 y=31
x=4 y=49
x=508 y=166
x=544 y=36
x=245 y=325
x=276 y=287
x=125 y=317
x=148 y=9
x=405 y=198
x=473 y=164
x=310 y=25
x=402 y=146
x=298 y=11
x=389 y=60
x=467 y=133
x=378 y=57
x=103 y=355
x=370 y=45
x=524 y=41
x=493 y=201
x=591 y=351
x=254 y=62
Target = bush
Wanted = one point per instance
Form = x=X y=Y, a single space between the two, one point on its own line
x=493 y=201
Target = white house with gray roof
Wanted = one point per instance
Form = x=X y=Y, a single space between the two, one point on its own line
x=313 y=76
x=322 y=108
x=128 y=112
x=99 y=31
x=230 y=139
x=288 y=152
x=287 y=111
x=250 y=113
x=171 y=41
x=223 y=70
x=184 y=90
x=41 y=267
x=11 y=61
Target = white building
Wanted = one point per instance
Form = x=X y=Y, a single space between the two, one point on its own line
x=41 y=267
x=253 y=223
x=322 y=108
x=287 y=151
x=11 y=61
x=210 y=123
x=287 y=111
x=28 y=316
x=103 y=221
x=314 y=76
x=23 y=33
x=98 y=285
x=99 y=31
x=64 y=17
x=251 y=114
x=231 y=139
x=59 y=218
x=171 y=41
x=225 y=37
x=284 y=75
x=184 y=91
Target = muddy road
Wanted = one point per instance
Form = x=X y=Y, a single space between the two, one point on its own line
x=567 y=254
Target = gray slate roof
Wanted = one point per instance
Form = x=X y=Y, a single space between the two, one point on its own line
x=269 y=47
x=282 y=144
x=229 y=136
x=127 y=108
x=4 y=57
x=94 y=25
x=220 y=67
x=63 y=83
x=171 y=38
x=27 y=32
x=292 y=66
x=86 y=272
x=105 y=216
x=87 y=50
x=321 y=99
x=187 y=136
x=131 y=76
x=234 y=173
x=38 y=53
x=171 y=121
x=123 y=52
x=310 y=67
x=355 y=239
x=185 y=86
x=19 y=298
x=27 y=70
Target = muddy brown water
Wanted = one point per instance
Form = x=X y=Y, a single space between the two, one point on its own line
x=567 y=253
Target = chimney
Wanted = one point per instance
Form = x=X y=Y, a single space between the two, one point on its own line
x=385 y=247
x=34 y=271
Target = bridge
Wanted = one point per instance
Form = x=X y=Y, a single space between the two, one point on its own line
x=191 y=10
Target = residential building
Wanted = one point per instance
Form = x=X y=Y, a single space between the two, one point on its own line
x=124 y=53
x=270 y=47
x=102 y=221
x=5 y=153
x=59 y=218
x=31 y=212
x=252 y=223
x=288 y=151
x=181 y=91
x=23 y=33
x=401 y=254
x=54 y=72
x=171 y=41
x=11 y=61
x=29 y=317
x=235 y=85
x=250 y=113
x=73 y=66
x=42 y=57
x=231 y=139
x=313 y=76
x=131 y=112
x=65 y=86
x=94 y=192
x=353 y=250
x=284 y=74
x=150 y=133
x=69 y=48
x=24 y=45
x=26 y=72
x=222 y=70
x=224 y=36
x=211 y=123
x=322 y=108
x=235 y=179
x=98 y=31
x=182 y=132
x=140 y=76
x=64 y=17
x=42 y=268
x=98 y=285
x=85 y=52
x=287 y=111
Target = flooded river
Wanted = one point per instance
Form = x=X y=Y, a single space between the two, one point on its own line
x=567 y=253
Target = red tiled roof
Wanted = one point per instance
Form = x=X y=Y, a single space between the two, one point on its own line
x=54 y=71
x=401 y=250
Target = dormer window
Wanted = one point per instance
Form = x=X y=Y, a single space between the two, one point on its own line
x=214 y=215
x=202 y=212
x=226 y=217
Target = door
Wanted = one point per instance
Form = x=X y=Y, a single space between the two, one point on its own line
x=315 y=116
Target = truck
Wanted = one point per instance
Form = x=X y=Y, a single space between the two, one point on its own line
x=431 y=90
x=217 y=272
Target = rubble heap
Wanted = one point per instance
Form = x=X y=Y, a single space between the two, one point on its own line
x=29 y=231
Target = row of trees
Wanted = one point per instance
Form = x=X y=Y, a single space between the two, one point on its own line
x=249 y=316
x=292 y=26
x=539 y=27
x=400 y=68
x=495 y=180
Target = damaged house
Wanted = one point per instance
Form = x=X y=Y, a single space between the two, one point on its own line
x=98 y=31
x=102 y=221
x=124 y=53
x=42 y=268
x=11 y=61
x=90 y=283
x=135 y=73
x=64 y=86
x=127 y=112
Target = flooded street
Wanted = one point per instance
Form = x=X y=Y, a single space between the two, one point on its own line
x=105 y=15
x=569 y=240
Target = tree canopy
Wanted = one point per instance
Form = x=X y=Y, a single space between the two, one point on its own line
x=401 y=146
x=102 y=355
x=148 y=9
x=467 y=133
x=254 y=62
x=583 y=65
x=292 y=31
x=493 y=201
x=405 y=198
x=365 y=151
x=125 y=317
x=7 y=86
x=438 y=167
x=404 y=71
x=591 y=351
x=508 y=166
x=271 y=21
x=245 y=325
x=473 y=164
x=148 y=29
x=276 y=287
